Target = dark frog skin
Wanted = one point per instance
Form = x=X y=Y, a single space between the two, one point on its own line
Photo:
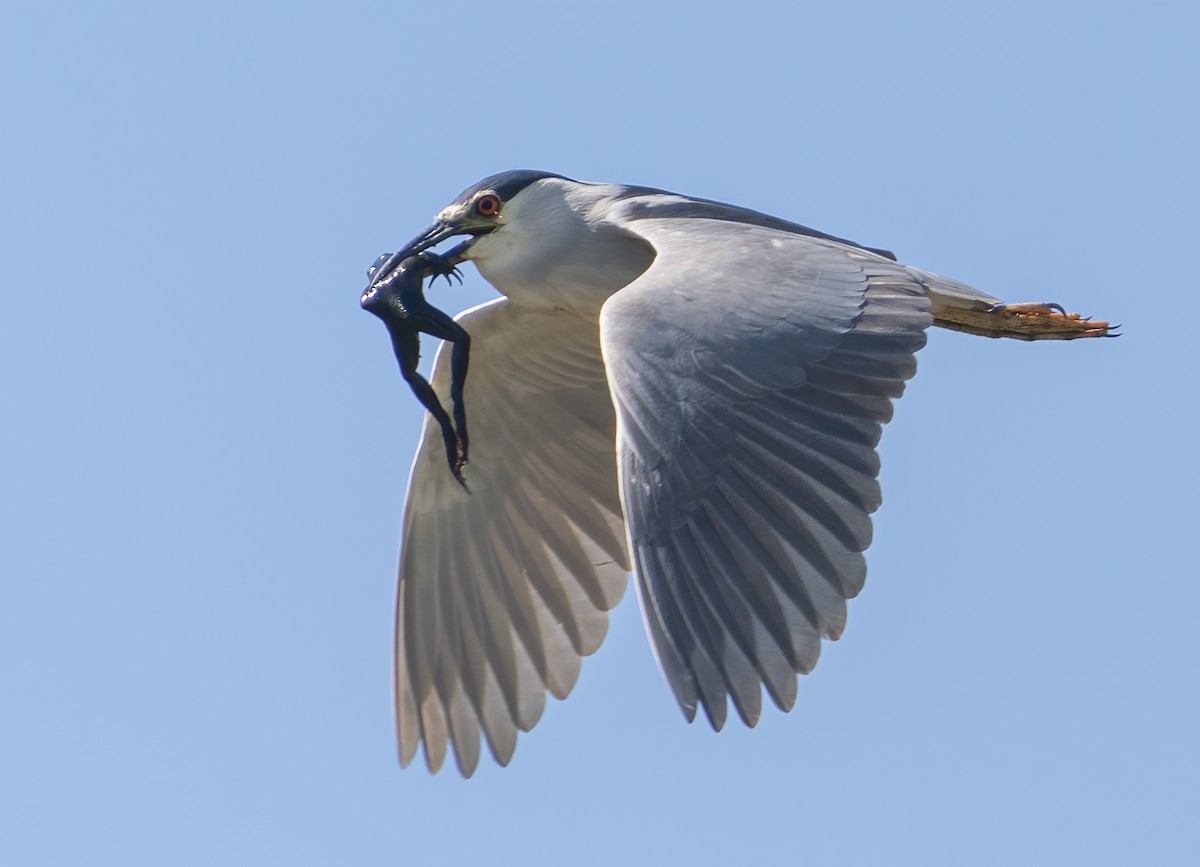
x=396 y=296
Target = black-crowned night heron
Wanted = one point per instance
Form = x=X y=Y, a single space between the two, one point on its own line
x=683 y=388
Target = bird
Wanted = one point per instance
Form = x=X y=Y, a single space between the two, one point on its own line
x=671 y=386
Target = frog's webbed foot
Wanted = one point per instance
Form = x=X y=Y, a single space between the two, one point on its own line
x=437 y=265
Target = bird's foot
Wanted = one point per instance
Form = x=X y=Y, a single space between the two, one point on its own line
x=1037 y=320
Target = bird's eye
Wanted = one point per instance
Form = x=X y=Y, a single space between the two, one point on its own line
x=487 y=206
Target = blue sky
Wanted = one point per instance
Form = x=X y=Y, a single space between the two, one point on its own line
x=197 y=562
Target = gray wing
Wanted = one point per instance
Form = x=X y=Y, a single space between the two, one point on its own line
x=504 y=589
x=752 y=370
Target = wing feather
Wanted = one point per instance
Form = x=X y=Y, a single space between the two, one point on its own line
x=752 y=370
x=502 y=591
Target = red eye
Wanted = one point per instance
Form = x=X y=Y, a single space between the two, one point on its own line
x=487 y=206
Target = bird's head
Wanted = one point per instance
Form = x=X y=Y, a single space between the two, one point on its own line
x=533 y=233
x=481 y=210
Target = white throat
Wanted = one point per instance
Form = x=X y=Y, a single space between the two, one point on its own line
x=554 y=249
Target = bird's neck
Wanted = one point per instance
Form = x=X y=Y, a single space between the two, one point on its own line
x=563 y=257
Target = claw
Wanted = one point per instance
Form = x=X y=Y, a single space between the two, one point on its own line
x=1036 y=308
x=439 y=266
x=453 y=272
x=1053 y=319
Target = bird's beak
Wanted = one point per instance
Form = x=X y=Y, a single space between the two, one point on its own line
x=431 y=237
